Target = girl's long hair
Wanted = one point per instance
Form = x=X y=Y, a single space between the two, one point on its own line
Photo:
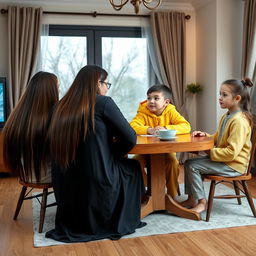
x=74 y=115
x=239 y=87
x=26 y=128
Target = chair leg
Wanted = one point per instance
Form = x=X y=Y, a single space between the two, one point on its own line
x=20 y=201
x=236 y=188
x=210 y=200
x=43 y=208
x=178 y=189
x=249 y=197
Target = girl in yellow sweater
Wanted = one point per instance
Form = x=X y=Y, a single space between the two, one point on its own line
x=231 y=153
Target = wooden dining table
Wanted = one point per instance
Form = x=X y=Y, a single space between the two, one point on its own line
x=156 y=149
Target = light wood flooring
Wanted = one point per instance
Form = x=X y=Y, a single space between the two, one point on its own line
x=16 y=237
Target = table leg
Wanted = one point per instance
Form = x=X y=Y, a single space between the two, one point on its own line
x=158 y=199
x=157 y=167
x=178 y=210
x=146 y=208
x=156 y=185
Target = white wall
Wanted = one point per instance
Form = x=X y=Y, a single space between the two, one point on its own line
x=219 y=50
x=229 y=43
x=206 y=66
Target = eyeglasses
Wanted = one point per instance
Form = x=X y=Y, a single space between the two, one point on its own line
x=106 y=83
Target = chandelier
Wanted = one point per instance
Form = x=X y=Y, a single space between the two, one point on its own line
x=150 y=4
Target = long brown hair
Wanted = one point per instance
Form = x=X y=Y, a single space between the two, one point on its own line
x=239 y=87
x=74 y=115
x=26 y=128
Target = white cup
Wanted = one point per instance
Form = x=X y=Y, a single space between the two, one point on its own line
x=167 y=134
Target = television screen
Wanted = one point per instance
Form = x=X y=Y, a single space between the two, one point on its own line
x=2 y=101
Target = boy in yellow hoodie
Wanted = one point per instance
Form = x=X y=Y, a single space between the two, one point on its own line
x=154 y=114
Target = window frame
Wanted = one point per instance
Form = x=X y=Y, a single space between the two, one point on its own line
x=94 y=35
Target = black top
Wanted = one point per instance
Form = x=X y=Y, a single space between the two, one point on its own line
x=99 y=195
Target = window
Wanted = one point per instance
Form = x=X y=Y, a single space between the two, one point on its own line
x=120 y=50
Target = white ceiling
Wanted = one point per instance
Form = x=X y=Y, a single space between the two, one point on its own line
x=100 y=5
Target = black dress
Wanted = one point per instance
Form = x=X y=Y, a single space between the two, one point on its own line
x=99 y=195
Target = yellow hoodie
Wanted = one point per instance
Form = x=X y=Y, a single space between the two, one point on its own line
x=170 y=119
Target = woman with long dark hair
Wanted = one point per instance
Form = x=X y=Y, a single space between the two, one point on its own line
x=25 y=147
x=98 y=191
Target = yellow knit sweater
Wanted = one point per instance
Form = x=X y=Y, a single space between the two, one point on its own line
x=170 y=119
x=235 y=145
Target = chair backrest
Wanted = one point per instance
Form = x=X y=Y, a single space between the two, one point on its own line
x=253 y=140
x=45 y=176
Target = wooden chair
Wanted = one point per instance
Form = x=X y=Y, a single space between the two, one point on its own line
x=239 y=183
x=24 y=196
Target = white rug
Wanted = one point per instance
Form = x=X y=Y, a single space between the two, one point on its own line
x=225 y=213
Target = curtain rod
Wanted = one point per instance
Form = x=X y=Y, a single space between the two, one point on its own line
x=94 y=14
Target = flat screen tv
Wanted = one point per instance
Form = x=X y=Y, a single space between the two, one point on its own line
x=3 y=105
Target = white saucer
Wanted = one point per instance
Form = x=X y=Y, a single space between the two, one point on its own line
x=171 y=138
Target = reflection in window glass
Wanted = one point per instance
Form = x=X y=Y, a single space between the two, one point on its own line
x=125 y=59
x=64 y=57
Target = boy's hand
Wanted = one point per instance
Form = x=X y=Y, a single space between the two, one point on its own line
x=151 y=131
x=198 y=134
x=154 y=131
x=157 y=128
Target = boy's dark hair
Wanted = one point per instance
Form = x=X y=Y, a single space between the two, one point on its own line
x=161 y=88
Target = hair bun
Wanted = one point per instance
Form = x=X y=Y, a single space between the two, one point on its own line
x=247 y=82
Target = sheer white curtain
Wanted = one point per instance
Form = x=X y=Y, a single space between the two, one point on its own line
x=43 y=47
x=153 y=65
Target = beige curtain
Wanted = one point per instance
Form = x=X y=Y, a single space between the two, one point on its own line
x=249 y=40
x=169 y=35
x=24 y=25
x=249 y=30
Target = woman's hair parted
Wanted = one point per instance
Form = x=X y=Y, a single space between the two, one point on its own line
x=239 y=87
x=74 y=115
x=25 y=150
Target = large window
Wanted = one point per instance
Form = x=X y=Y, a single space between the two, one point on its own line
x=120 y=50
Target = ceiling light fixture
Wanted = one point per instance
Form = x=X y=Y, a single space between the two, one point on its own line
x=150 y=4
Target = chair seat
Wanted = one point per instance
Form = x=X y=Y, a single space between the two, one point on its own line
x=35 y=185
x=25 y=196
x=221 y=178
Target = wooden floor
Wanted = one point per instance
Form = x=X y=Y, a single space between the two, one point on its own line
x=16 y=237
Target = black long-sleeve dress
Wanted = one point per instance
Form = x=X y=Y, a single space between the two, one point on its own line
x=99 y=195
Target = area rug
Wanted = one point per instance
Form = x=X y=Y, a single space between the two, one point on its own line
x=225 y=213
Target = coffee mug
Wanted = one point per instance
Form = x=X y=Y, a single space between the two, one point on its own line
x=166 y=134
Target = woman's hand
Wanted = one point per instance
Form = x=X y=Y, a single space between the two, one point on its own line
x=198 y=134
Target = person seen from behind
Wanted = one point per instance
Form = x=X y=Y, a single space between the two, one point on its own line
x=25 y=146
x=98 y=190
